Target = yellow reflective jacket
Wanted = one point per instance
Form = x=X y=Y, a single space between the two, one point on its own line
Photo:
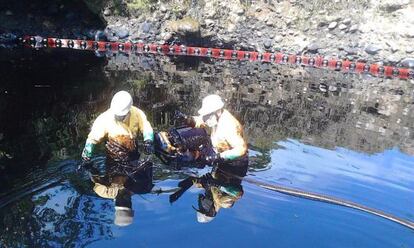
x=227 y=137
x=123 y=132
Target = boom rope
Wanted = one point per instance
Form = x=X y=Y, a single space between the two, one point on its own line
x=345 y=66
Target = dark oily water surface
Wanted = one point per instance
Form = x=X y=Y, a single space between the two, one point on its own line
x=324 y=132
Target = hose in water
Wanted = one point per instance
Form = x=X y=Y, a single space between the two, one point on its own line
x=327 y=199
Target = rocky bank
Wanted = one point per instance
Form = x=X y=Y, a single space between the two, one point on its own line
x=368 y=30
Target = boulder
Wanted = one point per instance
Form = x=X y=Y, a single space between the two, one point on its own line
x=372 y=49
x=332 y=25
x=408 y=62
x=184 y=27
x=393 y=5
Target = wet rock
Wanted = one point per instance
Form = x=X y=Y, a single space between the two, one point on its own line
x=393 y=47
x=408 y=62
x=409 y=50
x=351 y=50
x=99 y=35
x=322 y=23
x=166 y=36
x=146 y=27
x=313 y=87
x=313 y=47
x=393 y=59
x=278 y=39
x=409 y=34
x=122 y=32
x=269 y=23
x=372 y=49
x=185 y=26
x=347 y=21
x=342 y=26
x=110 y=34
x=323 y=87
x=332 y=88
x=267 y=44
x=9 y=13
x=107 y=12
x=163 y=9
x=231 y=27
x=240 y=11
x=332 y=25
x=393 y=5
x=209 y=23
x=353 y=28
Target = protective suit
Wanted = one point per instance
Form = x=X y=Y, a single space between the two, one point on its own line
x=227 y=136
x=120 y=125
x=123 y=132
x=226 y=131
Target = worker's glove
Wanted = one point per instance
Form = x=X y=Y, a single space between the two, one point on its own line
x=148 y=147
x=87 y=152
x=213 y=158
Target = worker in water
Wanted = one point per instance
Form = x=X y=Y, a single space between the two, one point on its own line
x=120 y=126
x=226 y=131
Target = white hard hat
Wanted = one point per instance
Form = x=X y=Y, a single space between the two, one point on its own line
x=121 y=103
x=123 y=216
x=211 y=103
x=202 y=218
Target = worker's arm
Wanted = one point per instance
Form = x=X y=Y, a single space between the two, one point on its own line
x=97 y=134
x=237 y=143
x=145 y=127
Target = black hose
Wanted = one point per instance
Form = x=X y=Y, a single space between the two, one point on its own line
x=327 y=199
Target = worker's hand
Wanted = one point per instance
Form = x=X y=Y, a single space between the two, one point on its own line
x=213 y=158
x=148 y=147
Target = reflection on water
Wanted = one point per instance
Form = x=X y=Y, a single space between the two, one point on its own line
x=336 y=134
x=120 y=183
x=222 y=188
